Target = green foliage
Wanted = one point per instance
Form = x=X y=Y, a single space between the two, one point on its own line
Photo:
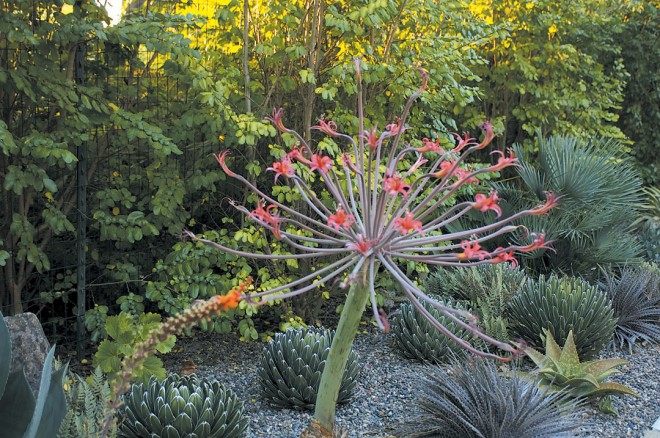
x=417 y=339
x=636 y=303
x=599 y=192
x=488 y=288
x=648 y=224
x=639 y=113
x=555 y=68
x=560 y=370
x=124 y=332
x=88 y=400
x=562 y=305
x=20 y=413
x=196 y=271
x=472 y=400
x=472 y=283
x=291 y=364
x=182 y=406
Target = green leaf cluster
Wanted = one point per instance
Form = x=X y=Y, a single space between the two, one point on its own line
x=124 y=332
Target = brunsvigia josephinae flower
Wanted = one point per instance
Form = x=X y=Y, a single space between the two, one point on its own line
x=384 y=210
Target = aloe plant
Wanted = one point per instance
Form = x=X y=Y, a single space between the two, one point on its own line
x=561 y=370
x=21 y=415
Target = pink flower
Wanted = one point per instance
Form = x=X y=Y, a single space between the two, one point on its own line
x=221 y=160
x=471 y=250
x=361 y=245
x=550 y=202
x=538 y=242
x=407 y=224
x=276 y=120
x=445 y=168
x=372 y=138
x=271 y=220
x=394 y=184
x=487 y=129
x=463 y=142
x=328 y=127
x=321 y=163
x=503 y=161
x=430 y=146
x=282 y=167
x=505 y=256
x=484 y=203
x=340 y=219
x=464 y=173
x=393 y=128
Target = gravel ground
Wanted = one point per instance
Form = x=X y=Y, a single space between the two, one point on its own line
x=386 y=391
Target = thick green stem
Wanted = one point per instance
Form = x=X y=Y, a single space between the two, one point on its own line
x=326 y=401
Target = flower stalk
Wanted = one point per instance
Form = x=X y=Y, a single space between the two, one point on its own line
x=389 y=205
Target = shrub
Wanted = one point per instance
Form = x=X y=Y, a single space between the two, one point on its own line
x=184 y=406
x=560 y=370
x=472 y=399
x=599 y=192
x=290 y=367
x=561 y=305
x=417 y=339
x=635 y=305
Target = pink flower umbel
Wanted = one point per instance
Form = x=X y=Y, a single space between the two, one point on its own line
x=394 y=203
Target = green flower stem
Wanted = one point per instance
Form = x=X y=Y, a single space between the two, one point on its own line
x=326 y=401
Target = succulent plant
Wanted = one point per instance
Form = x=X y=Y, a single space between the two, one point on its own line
x=472 y=400
x=473 y=282
x=291 y=364
x=20 y=414
x=88 y=401
x=635 y=305
x=417 y=339
x=561 y=305
x=561 y=370
x=181 y=406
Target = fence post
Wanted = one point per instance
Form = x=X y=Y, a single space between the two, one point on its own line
x=81 y=204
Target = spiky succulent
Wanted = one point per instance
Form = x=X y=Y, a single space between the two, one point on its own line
x=473 y=400
x=472 y=282
x=290 y=367
x=561 y=305
x=635 y=305
x=181 y=406
x=417 y=339
x=561 y=370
